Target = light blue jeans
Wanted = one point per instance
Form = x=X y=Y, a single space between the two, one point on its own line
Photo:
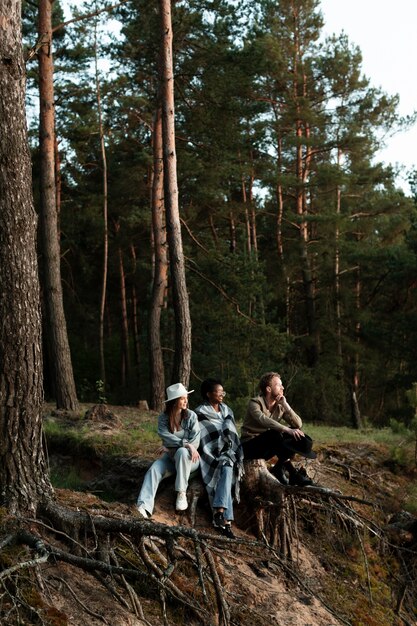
x=223 y=494
x=163 y=467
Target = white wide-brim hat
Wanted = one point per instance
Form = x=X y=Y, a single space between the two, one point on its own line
x=176 y=391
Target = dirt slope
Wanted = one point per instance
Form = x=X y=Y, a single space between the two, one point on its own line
x=345 y=568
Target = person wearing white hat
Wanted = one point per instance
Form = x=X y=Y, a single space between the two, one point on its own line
x=179 y=430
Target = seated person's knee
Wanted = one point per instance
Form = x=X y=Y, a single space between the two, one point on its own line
x=183 y=453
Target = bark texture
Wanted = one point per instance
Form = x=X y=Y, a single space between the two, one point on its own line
x=182 y=356
x=269 y=513
x=23 y=479
x=56 y=326
x=160 y=277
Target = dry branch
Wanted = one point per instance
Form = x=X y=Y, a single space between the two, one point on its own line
x=25 y=564
x=156 y=551
x=224 y=612
x=88 y=16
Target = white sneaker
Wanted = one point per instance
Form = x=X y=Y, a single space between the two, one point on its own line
x=181 y=503
x=142 y=511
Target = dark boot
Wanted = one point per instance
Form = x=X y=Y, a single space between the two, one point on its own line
x=218 y=520
x=296 y=477
x=279 y=472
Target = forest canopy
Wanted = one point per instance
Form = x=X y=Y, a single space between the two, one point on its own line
x=299 y=249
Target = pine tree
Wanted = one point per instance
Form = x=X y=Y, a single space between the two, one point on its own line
x=56 y=328
x=24 y=480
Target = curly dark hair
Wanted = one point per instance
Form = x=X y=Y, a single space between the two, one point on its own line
x=208 y=385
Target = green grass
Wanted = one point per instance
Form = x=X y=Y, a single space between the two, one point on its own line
x=330 y=435
x=411 y=501
x=124 y=443
x=69 y=440
x=80 y=437
x=66 y=479
x=138 y=436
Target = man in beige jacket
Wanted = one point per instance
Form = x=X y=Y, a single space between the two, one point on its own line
x=271 y=428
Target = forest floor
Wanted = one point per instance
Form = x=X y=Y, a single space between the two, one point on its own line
x=350 y=564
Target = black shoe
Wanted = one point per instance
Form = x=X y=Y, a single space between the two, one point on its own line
x=299 y=479
x=227 y=532
x=279 y=472
x=218 y=520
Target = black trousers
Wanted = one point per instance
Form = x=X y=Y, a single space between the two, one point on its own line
x=268 y=444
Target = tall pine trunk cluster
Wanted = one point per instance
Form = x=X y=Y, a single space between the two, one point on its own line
x=23 y=478
x=219 y=208
x=216 y=196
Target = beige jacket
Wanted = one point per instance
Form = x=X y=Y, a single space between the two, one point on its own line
x=258 y=418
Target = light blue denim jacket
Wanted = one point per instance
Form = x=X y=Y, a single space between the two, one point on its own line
x=189 y=433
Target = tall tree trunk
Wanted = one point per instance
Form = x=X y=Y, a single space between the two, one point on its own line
x=160 y=277
x=254 y=237
x=135 y=321
x=126 y=369
x=337 y=270
x=251 y=301
x=303 y=158
x=23 y=475
x=256 y=306
x=232 y=231
x=57 y=337
x=305 y=264
x=356 y=413
x=247 y=220
x=182 y=356
x=58 y=185
x=279 y=236
x=213 y=231
x=105 y=216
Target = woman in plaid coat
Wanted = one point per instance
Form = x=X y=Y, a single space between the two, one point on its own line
x=221 y=457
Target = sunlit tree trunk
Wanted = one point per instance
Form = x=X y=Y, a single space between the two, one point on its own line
x=182 y=357
x=23 y=476
x=303 y=159
x=56 y=327
x=160 y=277
x=58 y=184
x=280 y=242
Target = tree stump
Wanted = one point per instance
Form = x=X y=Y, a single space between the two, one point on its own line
x=266 y=508
x=196 y=492
x=102 y=413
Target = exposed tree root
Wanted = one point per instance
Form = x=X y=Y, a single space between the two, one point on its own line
x=137 y=560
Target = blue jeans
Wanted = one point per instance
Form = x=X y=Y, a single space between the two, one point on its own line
x=223 y=494
x=163 y=467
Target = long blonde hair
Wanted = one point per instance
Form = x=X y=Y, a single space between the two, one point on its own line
x=171 y=409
